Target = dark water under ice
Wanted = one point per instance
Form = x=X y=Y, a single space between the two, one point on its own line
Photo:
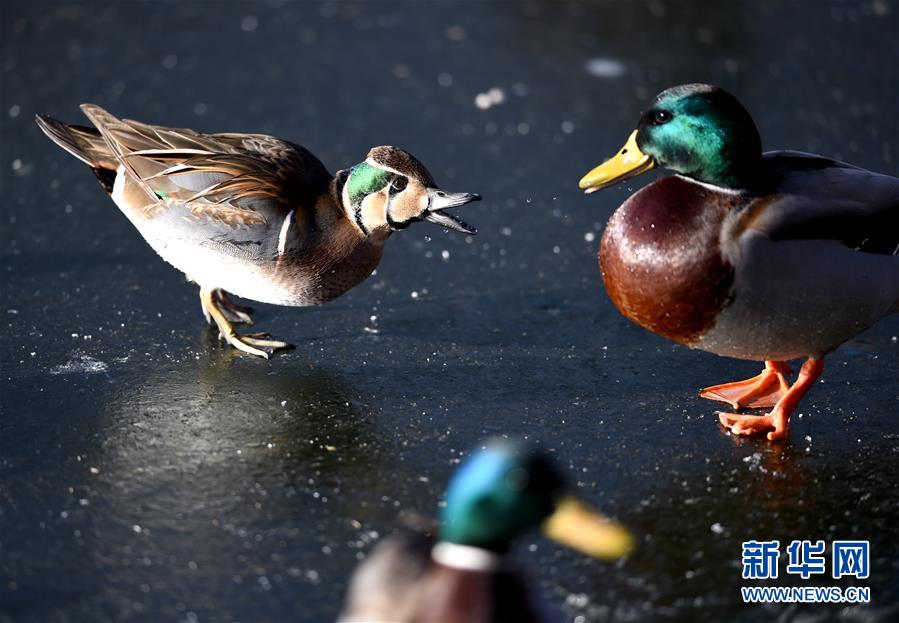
x=148 y=474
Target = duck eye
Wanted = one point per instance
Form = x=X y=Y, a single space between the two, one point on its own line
x=398 y=184
x=661 y=116
x=517 y=479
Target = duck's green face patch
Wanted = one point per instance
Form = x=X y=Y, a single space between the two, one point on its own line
x=365 y=179
x=380 y=200
x=702 y=132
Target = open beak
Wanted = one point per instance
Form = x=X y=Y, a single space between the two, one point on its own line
x=582 y=528
x=627 y=163
x=440 y=200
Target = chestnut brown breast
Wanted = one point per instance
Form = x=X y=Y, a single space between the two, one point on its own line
x=660 y=258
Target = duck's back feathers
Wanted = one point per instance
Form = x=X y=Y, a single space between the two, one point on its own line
x=814 y=198
x=238 y=179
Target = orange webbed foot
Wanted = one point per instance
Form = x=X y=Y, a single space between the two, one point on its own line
x=776 y=423
x=760 y=392
x=749 y=425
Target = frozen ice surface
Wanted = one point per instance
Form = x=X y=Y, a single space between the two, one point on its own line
x=245 y=476
x=80 y=364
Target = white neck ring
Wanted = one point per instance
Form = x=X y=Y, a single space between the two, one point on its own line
x=465 y=557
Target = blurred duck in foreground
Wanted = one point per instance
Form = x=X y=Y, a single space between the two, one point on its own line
x=496 y=496
x=766 y=257
x=254 y=215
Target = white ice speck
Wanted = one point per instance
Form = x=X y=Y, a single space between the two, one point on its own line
x=414 y=294
x=14 y=111
x=605 y=68
x=577 y=600
x=568 y=127
x=169 y=61
x=445 y=80
x=589 y=236
x=80 y=364
x=445 y=254
x=492 y=97
x=717 y=528
x=249 y=23
x=482 y=101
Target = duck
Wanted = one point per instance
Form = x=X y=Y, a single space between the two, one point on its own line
x=255 y=216
x=461 y=571
x=763 y=256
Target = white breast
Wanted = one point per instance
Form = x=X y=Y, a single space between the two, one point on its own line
x=203 y=261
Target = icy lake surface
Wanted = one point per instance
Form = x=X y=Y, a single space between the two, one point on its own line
x=149 y=474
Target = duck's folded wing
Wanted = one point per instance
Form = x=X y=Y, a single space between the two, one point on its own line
x=235 y=179
x=811 y=197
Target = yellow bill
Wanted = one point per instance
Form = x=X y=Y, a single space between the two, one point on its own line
x=627 y=163
x=580 y=527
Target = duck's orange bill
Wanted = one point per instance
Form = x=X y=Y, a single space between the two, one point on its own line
x=628 y=162
x=582 y=528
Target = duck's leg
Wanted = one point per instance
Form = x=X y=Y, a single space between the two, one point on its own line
x=776 y=423
x=759 y=392
x=254 y=343
x=231 y=310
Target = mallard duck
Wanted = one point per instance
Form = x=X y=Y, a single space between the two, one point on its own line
x=464 y=575
x=254 y=215
x=761 y=256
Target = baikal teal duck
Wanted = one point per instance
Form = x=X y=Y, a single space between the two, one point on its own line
x=254 y=215
x=464 y=574
x=762 y=256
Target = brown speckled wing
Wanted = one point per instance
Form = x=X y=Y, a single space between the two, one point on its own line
x=234 y=179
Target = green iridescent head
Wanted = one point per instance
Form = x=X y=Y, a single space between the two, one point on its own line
x=506 y=489
x=697 y=130
x=497 y=494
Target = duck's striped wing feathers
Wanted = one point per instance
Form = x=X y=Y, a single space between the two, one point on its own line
x=811 y=197
x=84 y=143
x=238 y=179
